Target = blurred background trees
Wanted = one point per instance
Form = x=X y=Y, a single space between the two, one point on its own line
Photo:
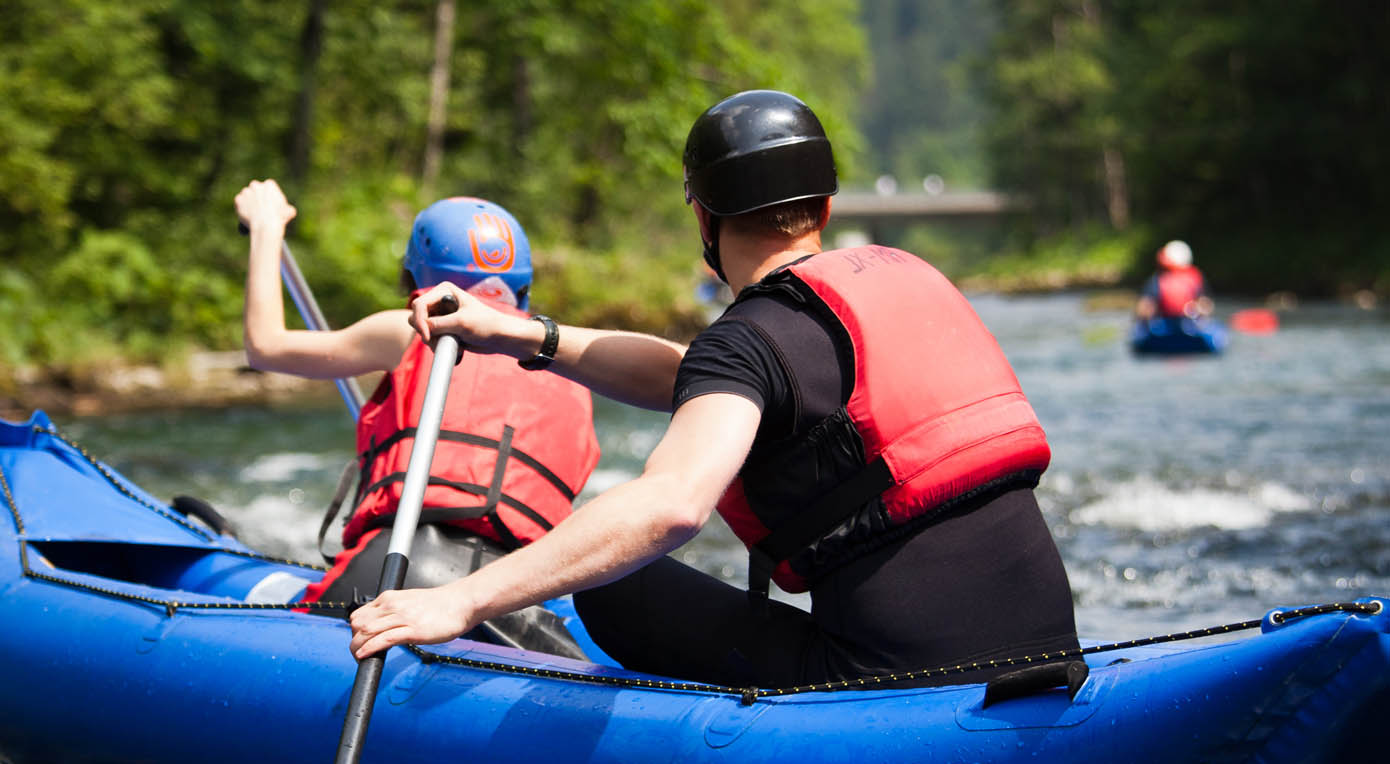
x=1254 y=129
x=1247 y=128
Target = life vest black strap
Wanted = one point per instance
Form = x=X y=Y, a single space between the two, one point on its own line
x=760 y=568
x=370 y=455
x=806 y=527
x=499 y=468
x=509 y=539
x=344 y=483
x=781 y=544
x=448 y=514
x=445 y=516
x=494 y=491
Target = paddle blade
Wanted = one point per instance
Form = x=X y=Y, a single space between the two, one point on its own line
x=1254 y=321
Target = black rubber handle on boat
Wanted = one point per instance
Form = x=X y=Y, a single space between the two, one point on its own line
x=191 y=506
x=1036 y=679
x=364 y=687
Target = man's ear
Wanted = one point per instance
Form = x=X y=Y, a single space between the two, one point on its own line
x=825 y=215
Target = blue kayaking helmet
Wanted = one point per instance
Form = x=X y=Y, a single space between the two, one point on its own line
x=473 y=243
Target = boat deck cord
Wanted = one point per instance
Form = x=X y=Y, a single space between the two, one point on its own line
x=748 y=695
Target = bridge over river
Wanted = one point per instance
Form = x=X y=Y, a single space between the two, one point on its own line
x=867 y=211
x=868 y=206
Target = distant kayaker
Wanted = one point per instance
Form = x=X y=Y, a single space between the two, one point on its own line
x=1177 y=289
x=850 y=418
x=514 y=448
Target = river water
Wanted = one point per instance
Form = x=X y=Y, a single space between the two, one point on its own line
x=1183 y=492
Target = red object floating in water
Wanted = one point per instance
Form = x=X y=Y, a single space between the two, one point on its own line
x=1254 y=321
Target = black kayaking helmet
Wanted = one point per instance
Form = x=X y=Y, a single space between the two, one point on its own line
x=752 y=150
x=756 y=149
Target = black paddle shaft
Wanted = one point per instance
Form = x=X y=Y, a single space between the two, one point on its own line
x=364 y=687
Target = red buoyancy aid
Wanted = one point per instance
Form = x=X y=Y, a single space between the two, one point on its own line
x=515 y=447
x=1176 y=288
x=935 y=404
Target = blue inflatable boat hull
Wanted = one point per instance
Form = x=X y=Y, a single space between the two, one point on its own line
x=1176 y=336
x=131 y=633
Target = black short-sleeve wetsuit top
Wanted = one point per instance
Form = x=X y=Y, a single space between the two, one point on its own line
x=737 y=354
x=977 y=585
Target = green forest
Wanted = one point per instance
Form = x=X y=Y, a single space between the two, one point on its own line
x=1254 y=129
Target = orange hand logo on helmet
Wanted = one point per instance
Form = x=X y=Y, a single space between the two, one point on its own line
x=487 y=229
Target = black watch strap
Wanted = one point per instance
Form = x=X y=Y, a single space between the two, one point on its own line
x=549 y=345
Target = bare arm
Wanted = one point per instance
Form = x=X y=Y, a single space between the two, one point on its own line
x=610 y=537
x=374 y=343
x=1145 y=308
x=637 y=369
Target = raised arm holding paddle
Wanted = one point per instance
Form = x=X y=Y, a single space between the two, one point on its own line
x=514 y=444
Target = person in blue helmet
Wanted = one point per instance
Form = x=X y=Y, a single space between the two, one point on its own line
x=515 y=448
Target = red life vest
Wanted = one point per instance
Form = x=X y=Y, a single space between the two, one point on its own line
x=515 y=447
x=1176 y=288
x=936 y=417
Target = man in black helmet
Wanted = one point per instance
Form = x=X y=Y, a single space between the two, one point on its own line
x=849 y=416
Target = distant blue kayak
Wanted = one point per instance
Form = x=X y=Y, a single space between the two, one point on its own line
x=1175 y=336
x=134 y=633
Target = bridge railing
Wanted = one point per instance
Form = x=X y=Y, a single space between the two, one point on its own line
x=868 y=206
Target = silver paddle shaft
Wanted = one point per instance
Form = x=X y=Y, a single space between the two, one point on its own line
x=417 y=474
x=313 y=318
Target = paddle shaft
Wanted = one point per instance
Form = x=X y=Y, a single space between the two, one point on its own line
x=303 y=298
x=313 y=318
x=417 y=473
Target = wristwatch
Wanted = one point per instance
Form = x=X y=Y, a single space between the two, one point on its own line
x=551 y=342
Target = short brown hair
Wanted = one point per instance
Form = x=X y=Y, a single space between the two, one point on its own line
x=792 y=219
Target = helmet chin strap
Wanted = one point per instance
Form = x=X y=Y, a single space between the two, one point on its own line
x=711 y=253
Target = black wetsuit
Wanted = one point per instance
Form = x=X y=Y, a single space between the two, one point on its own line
x=984 y=581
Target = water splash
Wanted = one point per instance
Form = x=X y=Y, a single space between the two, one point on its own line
x=1147 y=505
x=282 y=467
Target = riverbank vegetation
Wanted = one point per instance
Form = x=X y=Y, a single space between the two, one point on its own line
x=1255 y=131
x=1248 y=129
x=128 y=128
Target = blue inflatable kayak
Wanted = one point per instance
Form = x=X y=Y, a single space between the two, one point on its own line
x=1172 y=336
x=134 y=633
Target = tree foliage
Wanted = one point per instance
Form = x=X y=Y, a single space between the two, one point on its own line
x=1249 y=128
x=924 y=112
x=1253 y=128
x=128 y=128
